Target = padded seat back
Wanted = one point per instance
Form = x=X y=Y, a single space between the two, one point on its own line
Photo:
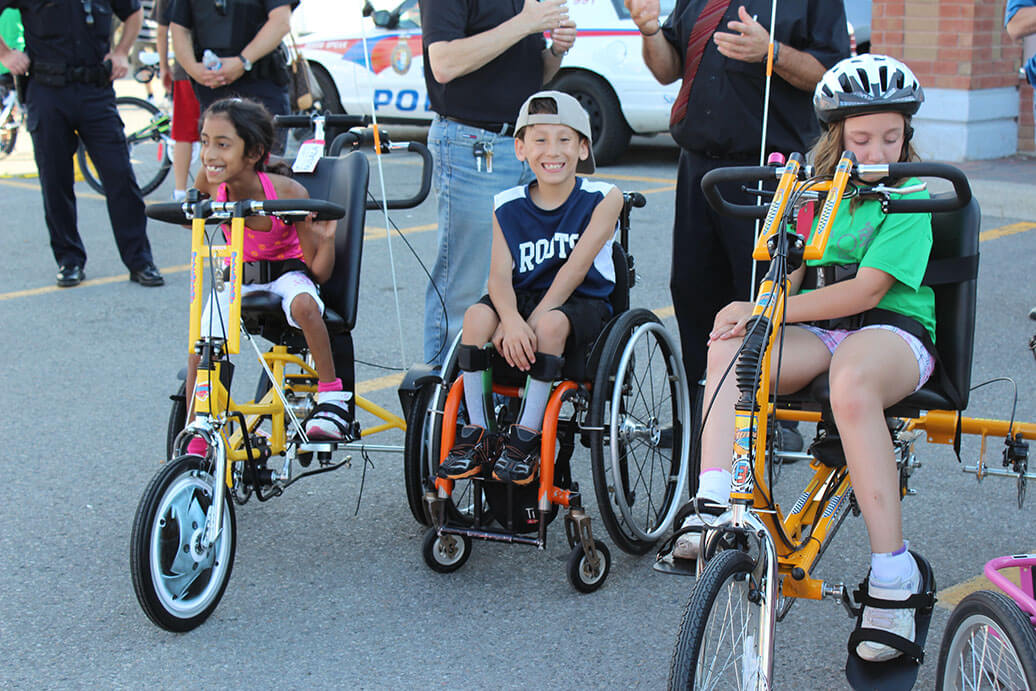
x=955 y=234
x=343 y=181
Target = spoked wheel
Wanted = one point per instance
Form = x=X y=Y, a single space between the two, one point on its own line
x=989 y=644
x=145 y=129
x=719 y=644
x=445 y=553
x=585 y=576
x=179 y=581
x=10 y=123
x=640 y=445
x=422 y=443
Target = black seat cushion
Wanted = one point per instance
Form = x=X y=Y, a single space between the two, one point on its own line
x=954 y=234
x=341 y=180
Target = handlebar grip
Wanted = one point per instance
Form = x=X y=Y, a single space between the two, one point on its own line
x=710 y=186
x=636 y=200
x=167 y=212
x=426 y=182
x=325 y=211
x=961 y=188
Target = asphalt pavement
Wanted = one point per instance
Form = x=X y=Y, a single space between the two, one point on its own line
x=329 y=589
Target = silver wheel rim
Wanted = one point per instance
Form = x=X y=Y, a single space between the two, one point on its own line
x=638 y=425
x=186 y=576
x=448 y=550
x=729 y=653
x=982 y=657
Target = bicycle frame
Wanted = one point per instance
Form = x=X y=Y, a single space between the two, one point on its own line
x=792 y=543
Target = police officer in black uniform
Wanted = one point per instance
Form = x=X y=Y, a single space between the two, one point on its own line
x=69 y=98
x=245 y=35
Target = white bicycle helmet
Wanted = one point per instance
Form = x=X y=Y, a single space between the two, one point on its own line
x=866 y=84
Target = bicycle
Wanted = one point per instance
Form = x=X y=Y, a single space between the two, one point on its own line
x=184 y=530
x=147 y=130
x=11 y=116
x=990 y=638
x=756 y=559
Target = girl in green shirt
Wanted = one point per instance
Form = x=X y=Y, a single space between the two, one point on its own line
x=866 y=104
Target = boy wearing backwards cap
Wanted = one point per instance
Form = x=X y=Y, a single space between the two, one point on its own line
x=550 y=277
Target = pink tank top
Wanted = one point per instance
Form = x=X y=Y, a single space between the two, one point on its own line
x=280 y=242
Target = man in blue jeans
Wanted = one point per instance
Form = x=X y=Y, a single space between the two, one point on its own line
x=482 y=59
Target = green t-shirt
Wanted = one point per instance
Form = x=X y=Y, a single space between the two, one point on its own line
x=898 y=244
x=11 y=32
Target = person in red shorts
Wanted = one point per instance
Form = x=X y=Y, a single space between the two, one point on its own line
x=186 y=111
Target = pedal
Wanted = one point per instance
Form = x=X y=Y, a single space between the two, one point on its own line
x=672 y=566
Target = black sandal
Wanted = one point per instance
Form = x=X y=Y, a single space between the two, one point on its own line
x=901 y=671
x=338 y=415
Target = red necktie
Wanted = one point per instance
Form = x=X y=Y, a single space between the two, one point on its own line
x=708 y=22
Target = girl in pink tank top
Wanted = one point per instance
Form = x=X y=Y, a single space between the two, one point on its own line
x=236 y=136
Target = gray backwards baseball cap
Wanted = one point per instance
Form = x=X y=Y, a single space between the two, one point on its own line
x=569 y=113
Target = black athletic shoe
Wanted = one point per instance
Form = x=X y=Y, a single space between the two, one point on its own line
x=472 y=450
x=520 y=458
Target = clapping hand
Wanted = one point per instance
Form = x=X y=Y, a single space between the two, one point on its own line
x=645 y=14
x=749 y=42
x=545 y=15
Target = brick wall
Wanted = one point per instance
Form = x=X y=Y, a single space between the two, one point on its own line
x=954 y=44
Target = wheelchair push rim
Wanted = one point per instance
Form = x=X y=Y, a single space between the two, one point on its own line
x=630 y=426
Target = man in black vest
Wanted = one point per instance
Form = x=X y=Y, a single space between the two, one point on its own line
x=245 y=36
x=69 y=98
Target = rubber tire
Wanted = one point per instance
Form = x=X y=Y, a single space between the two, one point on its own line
x=432 y=554
x=415 y=462
x=611 y=134
x=577 y=575
x=146 y=186
x=177 y=418
x=1011 y=624
x=329 y=100
x=600 y=459
x=702 y=606
x=144 y=524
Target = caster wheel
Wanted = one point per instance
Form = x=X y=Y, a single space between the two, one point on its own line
x=582 y=574
x=445 y=553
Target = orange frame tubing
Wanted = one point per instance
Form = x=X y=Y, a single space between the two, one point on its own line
x=548 y=493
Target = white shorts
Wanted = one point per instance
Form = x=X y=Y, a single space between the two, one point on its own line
x=288 y=286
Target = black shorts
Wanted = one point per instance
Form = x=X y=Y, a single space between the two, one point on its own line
x=586 y=317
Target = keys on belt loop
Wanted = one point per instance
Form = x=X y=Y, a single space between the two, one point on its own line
x=483 y=152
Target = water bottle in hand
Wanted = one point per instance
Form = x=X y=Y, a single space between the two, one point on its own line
x=211 y=60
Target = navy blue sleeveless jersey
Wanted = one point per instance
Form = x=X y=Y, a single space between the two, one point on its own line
x=540 y=240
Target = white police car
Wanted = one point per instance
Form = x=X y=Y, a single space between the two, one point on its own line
x=604 y=70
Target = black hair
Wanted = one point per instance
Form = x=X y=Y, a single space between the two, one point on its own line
x=254 y=124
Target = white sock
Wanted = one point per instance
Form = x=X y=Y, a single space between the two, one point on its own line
x=894 y=568
x=179 y=195
x=473 y=398
x=537 y=392
x=714 y=485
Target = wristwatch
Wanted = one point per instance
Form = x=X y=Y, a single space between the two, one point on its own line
x=245 y=62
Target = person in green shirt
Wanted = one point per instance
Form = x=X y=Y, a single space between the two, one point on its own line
x=12 y=34
x=865 y=104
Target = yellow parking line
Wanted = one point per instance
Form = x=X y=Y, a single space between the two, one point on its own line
x=371 y=232
x=950 y=597
x=1003 y=231
x=29 y=186
x=635 y=178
